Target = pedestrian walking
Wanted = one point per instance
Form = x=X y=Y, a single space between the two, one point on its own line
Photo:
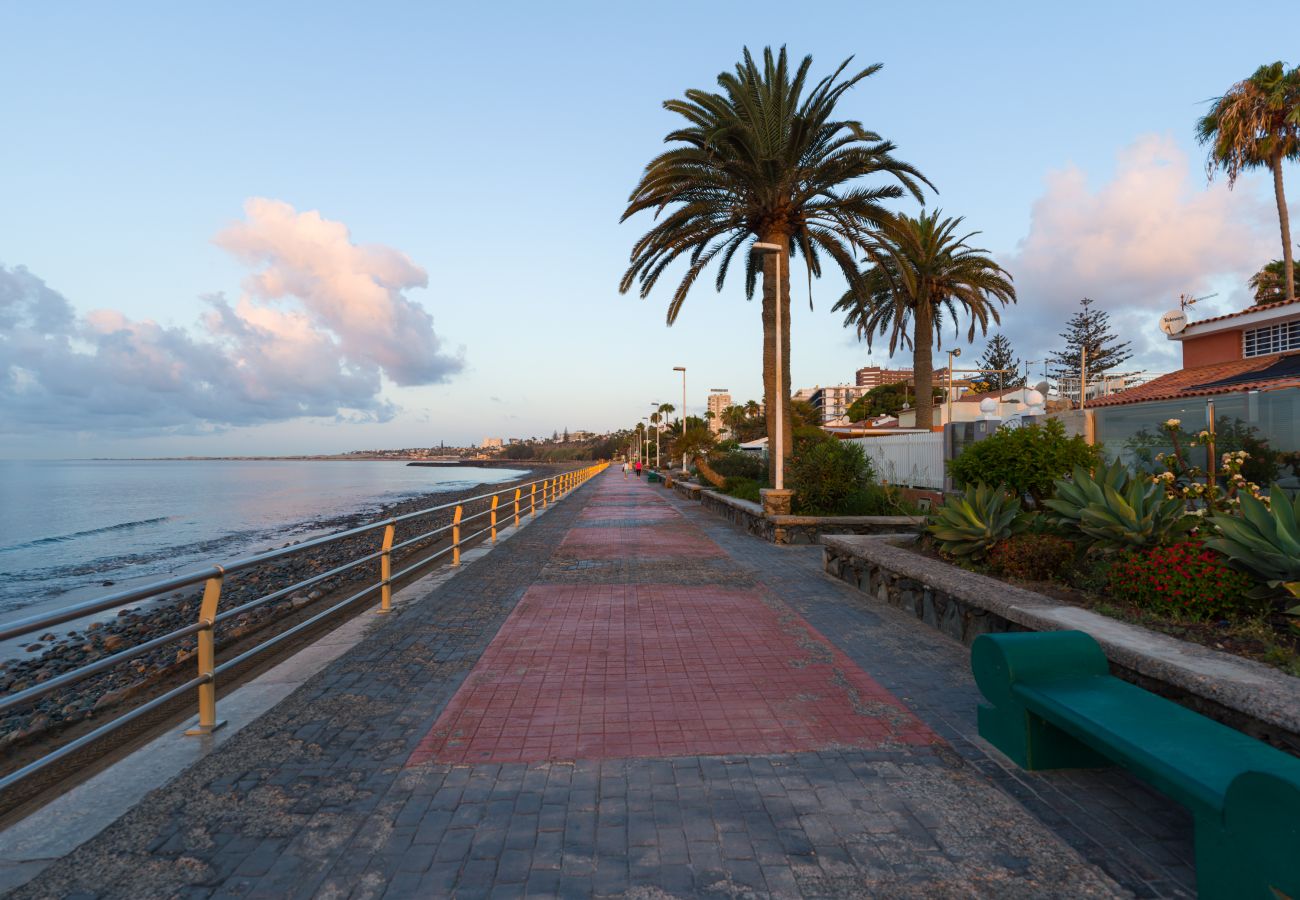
x=638 y=468
x=627 y=467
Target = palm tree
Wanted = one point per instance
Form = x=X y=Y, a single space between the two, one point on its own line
x=1267 y=283
x=763 y=158
x=920 y=272
x=1256 y=124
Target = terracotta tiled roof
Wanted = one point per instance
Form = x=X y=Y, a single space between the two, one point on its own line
x=1204 y=381
x=988 y=395
x=1242 y=312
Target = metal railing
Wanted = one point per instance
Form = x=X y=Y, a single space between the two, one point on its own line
x=521 y=501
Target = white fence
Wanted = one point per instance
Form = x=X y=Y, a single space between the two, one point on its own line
x=913 y=460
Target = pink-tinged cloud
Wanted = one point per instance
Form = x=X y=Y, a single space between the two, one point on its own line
x=325 y=352
x=355 y=291
x=1153 y=231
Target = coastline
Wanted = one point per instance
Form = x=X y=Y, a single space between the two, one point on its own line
x=27 y=732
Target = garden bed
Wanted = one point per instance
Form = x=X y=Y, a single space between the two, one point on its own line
x=1242 y=693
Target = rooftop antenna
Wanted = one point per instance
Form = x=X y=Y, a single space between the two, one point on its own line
x=1186 y=300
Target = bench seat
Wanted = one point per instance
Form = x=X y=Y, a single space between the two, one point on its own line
x=1055 y=705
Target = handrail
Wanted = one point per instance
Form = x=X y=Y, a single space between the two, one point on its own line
x=519 y=500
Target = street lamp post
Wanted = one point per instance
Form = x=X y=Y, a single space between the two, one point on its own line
x=657 y=426
x=682 y=369
x=951 y=354
x=779 y=393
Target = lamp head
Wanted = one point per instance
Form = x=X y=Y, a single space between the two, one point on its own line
x=763 y=247
x=679 y=368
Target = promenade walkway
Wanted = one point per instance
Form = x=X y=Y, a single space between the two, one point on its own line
x=632 y=698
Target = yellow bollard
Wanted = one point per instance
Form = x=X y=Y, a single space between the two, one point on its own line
x=495 y=498
x=516 y=507
x=455 y=536
x=386 y=569
x=532 y=499
x=207 y=656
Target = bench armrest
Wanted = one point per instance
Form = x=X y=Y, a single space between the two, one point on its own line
x=999 y=661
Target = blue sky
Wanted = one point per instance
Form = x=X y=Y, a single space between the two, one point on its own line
x=493 y=146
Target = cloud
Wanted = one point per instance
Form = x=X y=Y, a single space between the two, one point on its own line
x=1152 y=232
x=324 y=353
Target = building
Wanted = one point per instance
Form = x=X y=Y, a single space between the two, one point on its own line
x=875 y=376
x=1240 y=375
x=718 y=401
x=491 y=443
x=833 y=401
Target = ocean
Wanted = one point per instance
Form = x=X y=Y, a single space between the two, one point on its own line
x=67 y=526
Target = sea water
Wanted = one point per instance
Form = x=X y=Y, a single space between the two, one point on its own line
x=68 y=526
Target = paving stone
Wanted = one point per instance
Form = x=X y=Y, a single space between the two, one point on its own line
x=632 y=695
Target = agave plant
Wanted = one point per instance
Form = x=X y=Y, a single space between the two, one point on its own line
x=968 y=526
x=1075 y=494
x=1139 y=516
x=1263 y=541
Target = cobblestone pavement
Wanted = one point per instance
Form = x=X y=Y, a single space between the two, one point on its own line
x=631 y=699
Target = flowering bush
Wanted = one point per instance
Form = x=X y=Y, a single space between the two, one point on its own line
x=1183 y=481
x=1183 y=581
x=1031 y=557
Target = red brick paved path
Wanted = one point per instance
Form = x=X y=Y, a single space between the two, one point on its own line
x=589 y=671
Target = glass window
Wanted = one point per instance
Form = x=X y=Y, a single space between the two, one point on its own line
x=1278 y=338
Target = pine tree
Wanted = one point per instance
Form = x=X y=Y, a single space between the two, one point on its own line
x=999 y=355
x=1088 y=329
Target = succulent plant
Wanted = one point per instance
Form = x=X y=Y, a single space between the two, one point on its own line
x=1073 y=495
x=1263 y=541
x=968 y=526
x=1140 y=516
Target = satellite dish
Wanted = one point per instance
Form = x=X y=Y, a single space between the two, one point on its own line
x=1173 y=322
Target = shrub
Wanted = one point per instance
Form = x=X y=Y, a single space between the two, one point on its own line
x=1027 y=460
x=825 y=474
x=1182 y=581
x=878 y=500
x=1031 y=557
x=739 y=464
x=810 y=434
x=968 y=526
x=744 y=489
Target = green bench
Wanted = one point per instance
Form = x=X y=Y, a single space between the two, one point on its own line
x=1055 y=705
x=653 y=477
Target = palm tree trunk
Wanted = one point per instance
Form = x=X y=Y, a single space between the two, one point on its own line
x=1288 y=264
x=771 y=262
x=710 y=474
x=923 y=364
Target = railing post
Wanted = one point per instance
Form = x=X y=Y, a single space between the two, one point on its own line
x=532 y=500
x=517 y=492
x=207 y=656
x=545 y=488
x=455 y=536
x=495 y=498
x=386 y=569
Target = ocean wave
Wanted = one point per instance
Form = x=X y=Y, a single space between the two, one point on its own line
x=62 y=538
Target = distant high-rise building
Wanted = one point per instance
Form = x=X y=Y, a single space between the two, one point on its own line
x=718 y=401
x=832 y=402
x=875 y=376
x=491 y=443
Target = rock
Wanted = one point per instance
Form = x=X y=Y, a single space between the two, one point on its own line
x=108 y=698
x=114 y=642
x=106 y=584
x=95 y=626
x=315 y=595
x=32 y=648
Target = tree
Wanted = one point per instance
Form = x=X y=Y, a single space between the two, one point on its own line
x=1269 y=283
x=1088 y=329
x=886 y=400
x=1256 y=124
x=998 y=355
x=764 y=158
x=921 y=271
x=566 y=434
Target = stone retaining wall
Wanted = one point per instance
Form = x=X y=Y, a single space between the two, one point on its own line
x=1246 y=695
x=802 y=529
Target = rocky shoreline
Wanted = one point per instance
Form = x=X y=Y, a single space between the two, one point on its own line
x=59 y=651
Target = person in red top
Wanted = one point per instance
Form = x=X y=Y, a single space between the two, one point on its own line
x=638 y=468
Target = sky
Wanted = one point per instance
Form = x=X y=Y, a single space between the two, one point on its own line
x=247 y=228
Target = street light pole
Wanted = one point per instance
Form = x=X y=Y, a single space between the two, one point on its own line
x=951 y=354
x=779 y=393
x=682 y=369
